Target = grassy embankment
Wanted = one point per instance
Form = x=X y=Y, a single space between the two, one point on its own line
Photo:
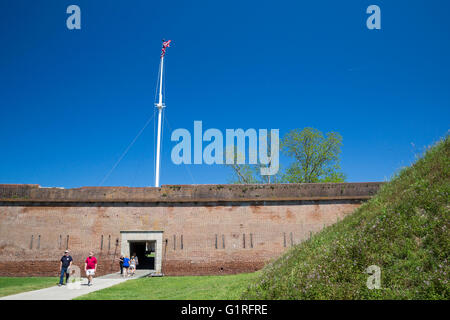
x=404 y=230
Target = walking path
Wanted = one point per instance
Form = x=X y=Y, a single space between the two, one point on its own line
x=65 y=293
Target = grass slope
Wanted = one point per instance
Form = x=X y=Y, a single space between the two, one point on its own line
x=404 y=230
x=228 y=287
x=15 y=285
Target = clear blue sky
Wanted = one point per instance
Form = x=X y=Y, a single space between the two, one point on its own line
x=72 y=101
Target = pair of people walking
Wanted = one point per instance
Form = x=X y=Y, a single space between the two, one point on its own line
x=90 y=267
x=127 y=264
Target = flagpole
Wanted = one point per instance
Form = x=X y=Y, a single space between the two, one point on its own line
x=160 y=107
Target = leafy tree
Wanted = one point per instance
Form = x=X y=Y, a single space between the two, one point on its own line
x=316 y=158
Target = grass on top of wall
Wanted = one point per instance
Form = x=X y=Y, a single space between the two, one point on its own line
x=226 y=287
x=404 y=230
x=13 y=285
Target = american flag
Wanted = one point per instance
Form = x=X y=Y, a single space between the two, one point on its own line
x=166 y=44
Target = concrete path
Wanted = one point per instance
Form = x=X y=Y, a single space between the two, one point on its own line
x=68 y=293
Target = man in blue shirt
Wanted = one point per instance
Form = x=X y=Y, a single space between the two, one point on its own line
x=64 y=266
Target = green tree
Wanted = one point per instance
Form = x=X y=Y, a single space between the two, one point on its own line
x=316 y=158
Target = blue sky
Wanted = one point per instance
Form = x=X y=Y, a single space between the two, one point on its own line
x=71 y=101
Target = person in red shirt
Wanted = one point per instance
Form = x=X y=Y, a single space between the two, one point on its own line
x=90 y=266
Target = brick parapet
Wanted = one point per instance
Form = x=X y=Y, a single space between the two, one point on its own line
x=191 y=193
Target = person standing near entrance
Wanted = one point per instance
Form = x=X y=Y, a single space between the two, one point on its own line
x=121 y=263
x=132 y=265
x=90 y=266
x=64 y=267
x=136 y=259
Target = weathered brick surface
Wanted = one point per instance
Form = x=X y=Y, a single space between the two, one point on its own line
x=218 y=236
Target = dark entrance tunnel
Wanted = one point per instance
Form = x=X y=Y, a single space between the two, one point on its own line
x=145 y=252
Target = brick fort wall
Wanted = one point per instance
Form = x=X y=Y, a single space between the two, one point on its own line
x=207 y=229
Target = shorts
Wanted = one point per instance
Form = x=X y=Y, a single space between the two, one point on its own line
x=90 y=272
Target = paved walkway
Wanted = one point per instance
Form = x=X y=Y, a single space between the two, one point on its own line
x=66 y=293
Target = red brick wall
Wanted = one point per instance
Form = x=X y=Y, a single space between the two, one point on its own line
x=270 y=228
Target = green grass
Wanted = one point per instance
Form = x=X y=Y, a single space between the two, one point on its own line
x=228 y=287
x=15 y=285
x=404 y=229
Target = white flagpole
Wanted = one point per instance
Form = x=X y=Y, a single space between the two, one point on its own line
x=160 y=106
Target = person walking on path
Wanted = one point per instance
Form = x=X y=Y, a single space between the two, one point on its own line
x=126 y=265
x=90 y=266
x=64 y=267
